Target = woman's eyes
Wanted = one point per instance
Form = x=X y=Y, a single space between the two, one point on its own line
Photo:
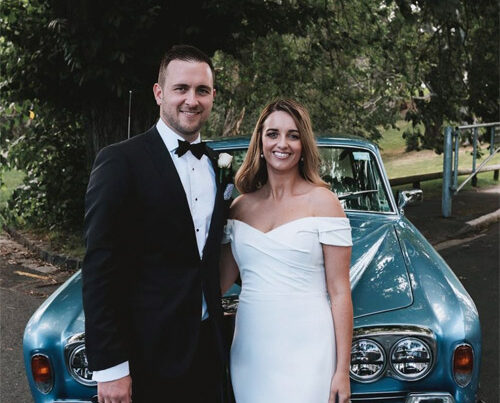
x=292 y=135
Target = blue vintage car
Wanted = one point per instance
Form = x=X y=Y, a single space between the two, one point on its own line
x=416 y=338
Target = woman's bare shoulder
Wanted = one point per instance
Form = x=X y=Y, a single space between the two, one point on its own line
x=241 y=205
x=325 y=203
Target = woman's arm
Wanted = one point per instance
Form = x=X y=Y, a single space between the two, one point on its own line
x=228 y=268
x=337 y=260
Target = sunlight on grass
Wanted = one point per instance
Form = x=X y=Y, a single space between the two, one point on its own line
x=433 y=189
x=399 y=163
x=11 y=179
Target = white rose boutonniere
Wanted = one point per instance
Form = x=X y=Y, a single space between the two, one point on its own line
x=225 y=160
x=224 y=163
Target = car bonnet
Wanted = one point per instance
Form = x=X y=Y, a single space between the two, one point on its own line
x=378 y=274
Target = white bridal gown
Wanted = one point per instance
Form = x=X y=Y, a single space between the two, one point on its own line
x=283 y=349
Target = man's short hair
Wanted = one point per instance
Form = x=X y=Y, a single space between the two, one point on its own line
x=185 y=53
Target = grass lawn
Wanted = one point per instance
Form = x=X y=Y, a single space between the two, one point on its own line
x=11 y=180
x=400 y=163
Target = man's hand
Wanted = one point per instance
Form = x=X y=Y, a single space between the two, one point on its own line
x=117 y=391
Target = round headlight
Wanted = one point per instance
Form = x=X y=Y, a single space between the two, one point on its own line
x=79 y=367
x=367 y=360
x=411 y=358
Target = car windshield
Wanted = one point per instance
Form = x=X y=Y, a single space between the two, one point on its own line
x=352 y=173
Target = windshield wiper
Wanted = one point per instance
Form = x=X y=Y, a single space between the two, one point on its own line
x=352 y=195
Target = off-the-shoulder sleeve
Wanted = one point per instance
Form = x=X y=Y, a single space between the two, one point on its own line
x=227 y=236
x=335 y=231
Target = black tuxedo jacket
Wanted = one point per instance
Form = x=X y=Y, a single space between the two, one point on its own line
x=142 y=274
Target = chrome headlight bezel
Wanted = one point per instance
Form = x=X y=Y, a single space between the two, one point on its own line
x=379 y=372
x=398 y=372
x=388 y=337
x=75 y=350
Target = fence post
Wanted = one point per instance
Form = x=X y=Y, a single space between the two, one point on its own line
x=446 y=194
x=492 y=149
x=456 y=139
x=474 y=157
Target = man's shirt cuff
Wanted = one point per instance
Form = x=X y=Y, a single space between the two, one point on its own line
x=112 y=374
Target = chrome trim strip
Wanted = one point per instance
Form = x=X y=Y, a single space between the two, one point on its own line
x=393 y=330
x=368 y=397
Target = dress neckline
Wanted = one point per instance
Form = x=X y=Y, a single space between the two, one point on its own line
x=284 y=224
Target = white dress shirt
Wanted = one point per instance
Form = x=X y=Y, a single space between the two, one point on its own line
x=198 y=180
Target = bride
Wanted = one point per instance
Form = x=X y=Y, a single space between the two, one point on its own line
x=290 y=241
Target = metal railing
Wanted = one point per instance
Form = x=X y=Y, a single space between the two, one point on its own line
x=451 y=147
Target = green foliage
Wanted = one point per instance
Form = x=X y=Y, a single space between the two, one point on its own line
x=449 y=55
x=356 y=65
x=48 y=148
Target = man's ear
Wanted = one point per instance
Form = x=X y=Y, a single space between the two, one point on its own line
x=158 y=93
x=213 y=94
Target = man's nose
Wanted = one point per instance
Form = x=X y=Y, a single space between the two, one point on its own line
x=191 y=98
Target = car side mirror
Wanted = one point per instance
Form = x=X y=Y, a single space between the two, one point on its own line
x=409 y=198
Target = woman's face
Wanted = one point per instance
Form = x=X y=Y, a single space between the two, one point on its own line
x=281 y=143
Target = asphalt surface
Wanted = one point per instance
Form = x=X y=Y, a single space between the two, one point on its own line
x=473 y=254
x=25 y=282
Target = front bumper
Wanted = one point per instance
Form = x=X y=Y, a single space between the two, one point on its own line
x=402 y=397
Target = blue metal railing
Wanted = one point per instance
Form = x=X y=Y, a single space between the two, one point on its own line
x=451 y=148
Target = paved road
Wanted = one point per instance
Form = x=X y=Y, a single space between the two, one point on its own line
x=476 y=263
x=26 y=282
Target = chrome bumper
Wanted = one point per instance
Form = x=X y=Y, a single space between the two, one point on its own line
x=403 y=397
x=437 y=397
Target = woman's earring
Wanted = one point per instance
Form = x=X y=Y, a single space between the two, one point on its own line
x=261 y=155
x=301 y=159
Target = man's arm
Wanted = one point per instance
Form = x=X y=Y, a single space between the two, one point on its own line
x=102 y=273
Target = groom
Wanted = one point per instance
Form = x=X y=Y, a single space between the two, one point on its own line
x=153 y=226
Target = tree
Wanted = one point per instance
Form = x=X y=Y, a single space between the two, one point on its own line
x=452 y=67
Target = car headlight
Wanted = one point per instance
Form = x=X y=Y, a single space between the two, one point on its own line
x=411 y=358
x=76 y=360
x=78 y=365
x=367 y=360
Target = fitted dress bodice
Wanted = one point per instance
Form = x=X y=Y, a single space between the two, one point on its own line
x=284 y=343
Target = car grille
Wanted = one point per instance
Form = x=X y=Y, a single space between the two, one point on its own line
x=392 y=397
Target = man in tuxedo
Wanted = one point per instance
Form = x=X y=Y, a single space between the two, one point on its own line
x=153 y=226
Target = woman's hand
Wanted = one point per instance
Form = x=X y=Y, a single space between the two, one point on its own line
x=341 y=387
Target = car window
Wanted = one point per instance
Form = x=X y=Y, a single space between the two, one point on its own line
x=352 y=173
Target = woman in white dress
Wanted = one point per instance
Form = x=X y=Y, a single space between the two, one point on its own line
x=290 y=241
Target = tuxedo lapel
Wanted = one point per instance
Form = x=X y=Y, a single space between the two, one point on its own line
x=165 y=166
x=217 y=211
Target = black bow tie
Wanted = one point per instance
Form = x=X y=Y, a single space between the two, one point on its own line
x=197 y=149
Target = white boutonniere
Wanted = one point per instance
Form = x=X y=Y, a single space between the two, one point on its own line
x=224 y=163
x=224 y=160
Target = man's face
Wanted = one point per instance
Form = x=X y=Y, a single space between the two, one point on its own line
x=186 y=98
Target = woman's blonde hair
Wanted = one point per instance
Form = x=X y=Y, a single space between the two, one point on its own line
x=252 y=174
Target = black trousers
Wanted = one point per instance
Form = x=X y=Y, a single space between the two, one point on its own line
x=202 y=383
